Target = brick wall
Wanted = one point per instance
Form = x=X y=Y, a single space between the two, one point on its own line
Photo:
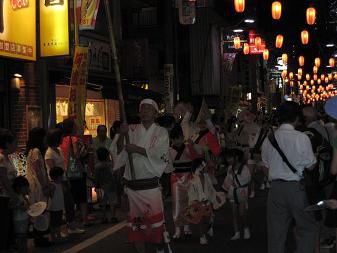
x=27 y=95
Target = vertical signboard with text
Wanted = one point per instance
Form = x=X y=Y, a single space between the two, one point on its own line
x=54 y=28
x=17 y=29
x=78 y=82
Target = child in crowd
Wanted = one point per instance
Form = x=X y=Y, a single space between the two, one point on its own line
x=105 y=180
x=56 y=203
x=236 y=186
x=20 y=217
x=201 y=196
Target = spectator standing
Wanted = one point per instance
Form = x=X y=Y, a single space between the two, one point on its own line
x=20 y=216
x=37 y=174
x=74 y=151
x=8 y=144
x=104 y=179
x=56 y=203
x=102 y=140
x=54 y=158
x=287 y=198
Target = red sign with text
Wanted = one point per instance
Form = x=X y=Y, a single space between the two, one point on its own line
x=251 y=41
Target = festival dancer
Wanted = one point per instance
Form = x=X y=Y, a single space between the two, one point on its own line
x=182 y=156
x=149 y=150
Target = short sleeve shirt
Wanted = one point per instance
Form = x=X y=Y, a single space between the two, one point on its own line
x=11 y=173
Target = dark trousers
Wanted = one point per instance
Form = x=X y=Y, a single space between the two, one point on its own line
x=68 y=203
x=5 y=221
x=287 y=201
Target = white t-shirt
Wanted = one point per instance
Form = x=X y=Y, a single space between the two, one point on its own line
x=57 y=157
x=56 y=203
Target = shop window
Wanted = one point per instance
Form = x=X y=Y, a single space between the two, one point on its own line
x=97 y=112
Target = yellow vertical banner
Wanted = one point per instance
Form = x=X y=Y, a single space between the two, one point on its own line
x=78 y=92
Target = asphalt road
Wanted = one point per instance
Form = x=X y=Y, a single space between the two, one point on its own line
x=107 y=239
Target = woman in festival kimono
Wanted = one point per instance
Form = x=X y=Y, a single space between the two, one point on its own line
x=149 y=150
x=182 y=156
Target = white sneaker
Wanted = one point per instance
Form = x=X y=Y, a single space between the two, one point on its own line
x=63 y=235
x=246 y=234
x=262 y=187
x=210 y=232
x=267 y=185
x=177 y=233
x=236 y=236
x=203 y=240
x=75 y=231
x=252 y=195
x=187 y=230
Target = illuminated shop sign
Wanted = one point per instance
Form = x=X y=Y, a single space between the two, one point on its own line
x=17 y=29
x=54 y=31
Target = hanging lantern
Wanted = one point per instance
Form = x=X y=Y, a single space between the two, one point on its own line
x=299 y=77
x=301 y=60
x=276 y=10
x=285 y=59
x=330 y=76
x=315 y=69
x=291 y=75
x=300 y=72
x=317 y=62
x=315 y=77
x=258 y=42
x=291 y=84
x=326 y=80
x=265 y=54
x=307 y=76
x=322 y=77
x=245 y=48
x=312 y=82
x=319 y=81
x=284 y=74
x=305 y=37
x=335 y=76
x=239 y=5
x=237 y=42
x=279 y=41
x=332 y=62
x=305 y=83
x=311 y=15
x=301 y=87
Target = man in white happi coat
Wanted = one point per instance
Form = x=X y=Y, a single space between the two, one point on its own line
x=149 y=147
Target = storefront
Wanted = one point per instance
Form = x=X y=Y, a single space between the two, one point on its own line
x=99 y=111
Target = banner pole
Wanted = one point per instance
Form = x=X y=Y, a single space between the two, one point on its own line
x=118 y=77
x=76 y=35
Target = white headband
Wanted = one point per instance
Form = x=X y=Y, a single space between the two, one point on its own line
x=149 y=101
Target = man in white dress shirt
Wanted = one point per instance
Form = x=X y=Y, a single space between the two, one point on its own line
x=149 y=148
x=287 y=198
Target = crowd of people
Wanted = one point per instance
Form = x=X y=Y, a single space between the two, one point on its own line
x=193 y=160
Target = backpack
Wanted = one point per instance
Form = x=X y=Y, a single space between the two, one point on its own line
x=324 y=152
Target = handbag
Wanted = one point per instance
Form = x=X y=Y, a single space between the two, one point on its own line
x=75 y=167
